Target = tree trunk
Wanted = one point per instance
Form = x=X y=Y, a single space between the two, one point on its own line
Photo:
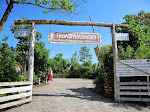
x=25 y=67
x=5 y=16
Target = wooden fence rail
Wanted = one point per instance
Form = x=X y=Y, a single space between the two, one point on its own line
x=15 y=93
x=133 y=91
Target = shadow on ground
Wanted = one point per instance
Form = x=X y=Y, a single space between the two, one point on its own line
x=87 y=94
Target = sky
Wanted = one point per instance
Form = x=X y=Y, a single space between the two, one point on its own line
x=106 y=11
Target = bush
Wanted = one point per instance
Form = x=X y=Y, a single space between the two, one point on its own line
x=35 y=79
x=60 y=75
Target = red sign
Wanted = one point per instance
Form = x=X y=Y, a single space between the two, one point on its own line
x=74 y=38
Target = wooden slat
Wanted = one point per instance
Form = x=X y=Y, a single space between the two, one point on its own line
x=134 y=99
x=15 y=83
x=16 y=96
x=70 y=23
x=133 y=83
x=15 y=89
x=133 y=87
x=133 y=93
x=15 y=103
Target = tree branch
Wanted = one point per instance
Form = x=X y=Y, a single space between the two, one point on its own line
x=7 y=2
x=36 y=5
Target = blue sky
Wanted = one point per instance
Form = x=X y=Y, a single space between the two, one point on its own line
x=107 y=11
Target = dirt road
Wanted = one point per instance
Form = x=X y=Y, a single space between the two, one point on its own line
x=73 y=95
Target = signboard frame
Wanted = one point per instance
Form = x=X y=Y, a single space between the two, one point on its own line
x=122 y=36
x=74 y=38
x=22 y=33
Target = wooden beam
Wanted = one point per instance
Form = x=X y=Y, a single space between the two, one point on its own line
x=31 y=54
x=16 y=96
x=134 y=83
x=115 y=57
x=133 y=93
x=15 y=89
x=15 y=103
x=70 y=23
x=15 y=83
x=134 y=87
x=134 y=99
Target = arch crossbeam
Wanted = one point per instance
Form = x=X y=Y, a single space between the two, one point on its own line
x=70 y=23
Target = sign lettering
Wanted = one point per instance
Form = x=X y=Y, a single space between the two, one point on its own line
x=141 y=64
x=74 y=38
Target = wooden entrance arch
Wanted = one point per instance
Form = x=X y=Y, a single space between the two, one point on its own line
x=70 y=23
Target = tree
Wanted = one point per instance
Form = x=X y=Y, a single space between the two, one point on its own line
x=23 y=44
x=59 y=65
x=139 y=37
x=41 y=55
x=8 y=64
x=75 y=67
x=84 y=54
x=74 y=58
x=143 y=17
x=81 y=71
x=62 y=6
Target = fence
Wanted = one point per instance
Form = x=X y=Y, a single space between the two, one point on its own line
x=15 y=93
x=134 y=91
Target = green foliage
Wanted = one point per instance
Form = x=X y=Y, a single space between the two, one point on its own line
x=125 y=54
x=63 y=6
x=22 y=47
x=59 y=65
x=85 y=70
x=35 y=79
x=84 y=54
x=139 y=35
x=8 y=64
x=107 y=58
x=143 y=16
x=75 y=70
x=41 y=55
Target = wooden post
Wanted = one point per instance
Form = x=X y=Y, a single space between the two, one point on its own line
x=46 y=79
x=39 y=80
x=31 y=54
x=115 y=57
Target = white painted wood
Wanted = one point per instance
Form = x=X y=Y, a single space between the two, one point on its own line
x=133 y=83
x=31 y=54
x=133 y=93
x=134 y=99
x=14 y=83
x=15 y=89
x=16 y=96
x=15 y=103
x=134 y=87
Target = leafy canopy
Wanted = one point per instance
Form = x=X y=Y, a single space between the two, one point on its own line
x=63 y=6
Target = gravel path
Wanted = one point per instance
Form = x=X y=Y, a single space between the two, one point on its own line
x=73 y=95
